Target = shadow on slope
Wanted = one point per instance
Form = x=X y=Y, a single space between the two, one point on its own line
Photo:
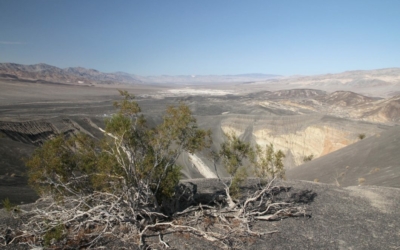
x=13 y=177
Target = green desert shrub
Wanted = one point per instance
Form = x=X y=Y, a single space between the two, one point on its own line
x=54 y=234
x=132 y=158
x=233 y=152
x=308 y=158
x=8 y=205
x=268 y=162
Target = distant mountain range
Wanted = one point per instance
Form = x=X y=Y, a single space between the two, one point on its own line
x=379 y=82
x=79 y=75
x=356 y=78
x=76 y=75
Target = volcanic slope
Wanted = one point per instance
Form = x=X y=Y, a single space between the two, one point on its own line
x=371 y=161
x=13 y=177
x=19 y=139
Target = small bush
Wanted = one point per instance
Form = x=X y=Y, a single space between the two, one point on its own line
x=375 y=170
x=361 y=181
x=9 y=206
x=308 y=158
x=233 y=152
x=55 y=233
x=268 y=162
x=361 y=136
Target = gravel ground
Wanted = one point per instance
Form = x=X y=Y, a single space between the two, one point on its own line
x=363 y=217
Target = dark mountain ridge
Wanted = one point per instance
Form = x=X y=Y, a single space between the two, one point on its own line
x=80 y=75
x=73 y=75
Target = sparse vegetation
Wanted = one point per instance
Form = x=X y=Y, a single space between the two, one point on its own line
x=54 y=234
x=8 y=205
x=131 y=171
x=308 y=158
x=132 y=158
x=127 y=184
x=339 y=177
x=375 y=170
x=268 y=162
x=361 y=136
x=316 y=180
x=361 y=181
x=233 y=151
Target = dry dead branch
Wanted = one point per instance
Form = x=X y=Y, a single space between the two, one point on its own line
x=87 y=221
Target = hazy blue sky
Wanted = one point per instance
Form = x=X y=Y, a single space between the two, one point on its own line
x=204 y=36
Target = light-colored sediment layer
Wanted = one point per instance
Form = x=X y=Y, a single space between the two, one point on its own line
x=232 y=131
x=201 y=167
x=192 y=91
x=314 y=140
x=297 y=136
